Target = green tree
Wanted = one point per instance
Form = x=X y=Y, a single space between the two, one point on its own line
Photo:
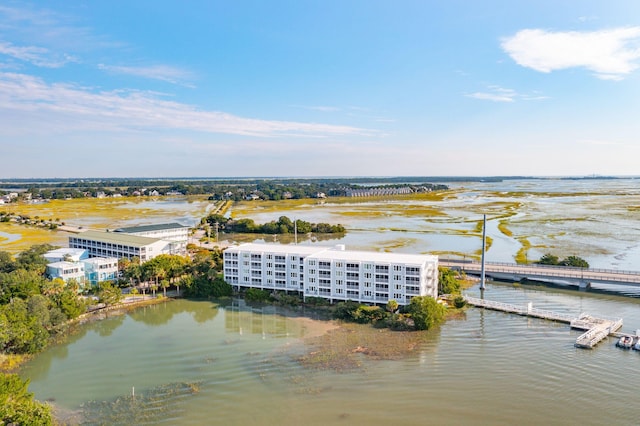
x=33 y=259
x=108 y=293
x=17 y=406
x=7 y=264
x=548 y=259
x=303 y=227
x=426 y=312
x=70 y=304
x=164 y=284
x=20 y=283
x=24 y=333
x=256 y=295
x=392 y=306
x=574 y=261
x=447 y=281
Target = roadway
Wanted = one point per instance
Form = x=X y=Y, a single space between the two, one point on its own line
x=514 y=271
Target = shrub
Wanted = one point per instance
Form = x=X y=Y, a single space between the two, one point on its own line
x=257 y=295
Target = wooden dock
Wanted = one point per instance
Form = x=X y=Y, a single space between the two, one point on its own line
x=597 y=329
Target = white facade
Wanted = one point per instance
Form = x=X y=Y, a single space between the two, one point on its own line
x=66 y=271
x=99 y=269
x=119 y=245
x=332 y=273
x=174 y=232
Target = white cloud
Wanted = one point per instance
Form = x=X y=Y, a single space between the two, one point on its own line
x=610 y=54
x=157 y=72
x=38 y=56
x=500 y=94
x=65 y=107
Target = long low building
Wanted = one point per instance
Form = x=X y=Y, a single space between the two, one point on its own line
x=175 y=232
x=332 y=273
x=119 y=245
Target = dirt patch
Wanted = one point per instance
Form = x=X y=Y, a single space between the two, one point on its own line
x=349 y=345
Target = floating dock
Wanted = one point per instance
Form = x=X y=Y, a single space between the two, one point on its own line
x=597 y=329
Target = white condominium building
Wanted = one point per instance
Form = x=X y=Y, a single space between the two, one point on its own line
x=332 y=272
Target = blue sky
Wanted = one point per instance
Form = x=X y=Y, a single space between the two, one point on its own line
x=319 y=88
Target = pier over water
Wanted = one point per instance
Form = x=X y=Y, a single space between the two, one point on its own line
x=597 y=329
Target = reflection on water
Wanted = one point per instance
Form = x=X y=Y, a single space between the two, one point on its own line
x=483 y=367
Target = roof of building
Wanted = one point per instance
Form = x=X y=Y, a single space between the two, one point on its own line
x=374 y=256
x=337 y=252
x=61 y=252
x=117 y=238
x=64 y=264
x=151 y=228
x=278 y=248
x=100 y=260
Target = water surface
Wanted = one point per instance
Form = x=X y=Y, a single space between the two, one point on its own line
x=486 y=368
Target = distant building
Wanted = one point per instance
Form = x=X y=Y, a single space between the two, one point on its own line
x=66 y=271
x=378 y=192
x=176 y=233
x=332 y=273
x=120 y=245
x=66 y=254
x=98 y=269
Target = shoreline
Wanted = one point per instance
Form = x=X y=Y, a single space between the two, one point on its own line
x=10 y=363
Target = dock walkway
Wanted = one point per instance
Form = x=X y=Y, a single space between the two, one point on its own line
x=597 y=328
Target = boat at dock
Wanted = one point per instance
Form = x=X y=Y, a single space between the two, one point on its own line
x=625 y=342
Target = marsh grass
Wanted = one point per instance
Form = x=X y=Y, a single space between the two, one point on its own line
x=502 y=226
x=99 y=212
x=29 y=236
x=149 y=407
x=106 y=212
x=522 y=254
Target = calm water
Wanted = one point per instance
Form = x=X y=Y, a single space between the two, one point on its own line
x=487 y=368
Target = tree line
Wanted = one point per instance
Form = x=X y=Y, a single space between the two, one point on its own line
x=229 y=189
x=283 y=225
x=574 y=261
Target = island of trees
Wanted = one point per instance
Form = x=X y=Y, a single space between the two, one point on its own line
x=283 y=225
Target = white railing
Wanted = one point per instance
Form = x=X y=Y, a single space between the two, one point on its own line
x=606 y=275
